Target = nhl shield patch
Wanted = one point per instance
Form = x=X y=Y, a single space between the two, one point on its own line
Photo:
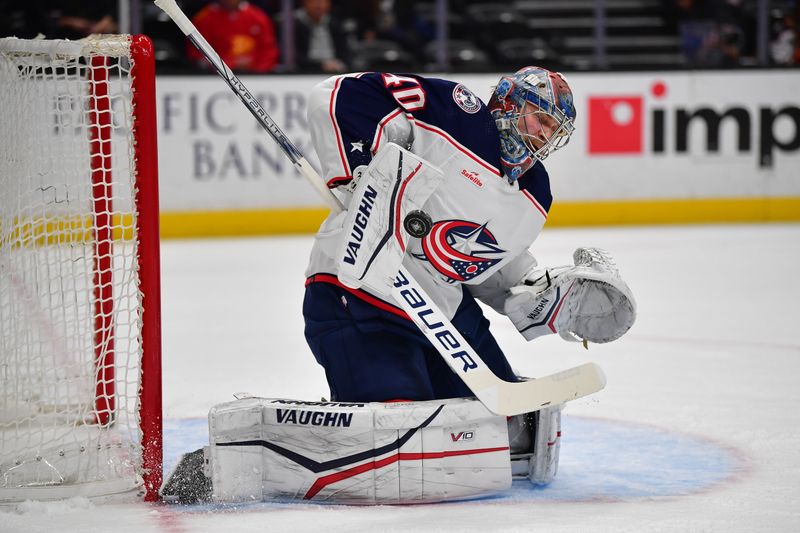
x=465 y=99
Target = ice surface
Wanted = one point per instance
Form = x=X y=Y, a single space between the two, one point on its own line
x=697 y=430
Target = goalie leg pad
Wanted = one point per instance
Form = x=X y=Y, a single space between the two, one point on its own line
x=543 y=465
x=537 y=437
x=371 y=453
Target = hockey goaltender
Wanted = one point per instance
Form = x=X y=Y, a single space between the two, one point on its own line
x=453 y=192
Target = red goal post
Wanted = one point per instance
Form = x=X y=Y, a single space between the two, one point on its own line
x=80 y=339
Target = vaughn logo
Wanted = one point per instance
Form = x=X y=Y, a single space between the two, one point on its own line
x=322 y=404
x=313 y=418
x=361 y=221
x=533 y=315
x=617 y=124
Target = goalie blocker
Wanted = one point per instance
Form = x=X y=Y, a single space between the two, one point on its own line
x=386 y=209
x=364 y=453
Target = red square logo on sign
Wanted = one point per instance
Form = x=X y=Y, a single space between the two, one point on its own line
x=615 y=125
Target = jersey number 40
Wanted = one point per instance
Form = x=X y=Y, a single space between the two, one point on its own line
x=407 y=91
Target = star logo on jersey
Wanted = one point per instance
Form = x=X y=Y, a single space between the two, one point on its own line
x=357 y=146
x=460 y=250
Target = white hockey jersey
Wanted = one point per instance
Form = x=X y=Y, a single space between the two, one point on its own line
x=482 y=224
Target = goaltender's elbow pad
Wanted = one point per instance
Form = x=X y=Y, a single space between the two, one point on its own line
x=588 y=301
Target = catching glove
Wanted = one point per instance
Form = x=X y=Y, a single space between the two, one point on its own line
x=588 y=301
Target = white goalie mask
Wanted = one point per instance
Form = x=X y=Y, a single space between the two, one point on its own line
x=535 y=115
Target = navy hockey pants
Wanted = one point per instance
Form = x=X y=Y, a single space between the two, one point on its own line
x=371 y=351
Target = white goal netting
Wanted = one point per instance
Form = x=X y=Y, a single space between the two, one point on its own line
x=70 y=298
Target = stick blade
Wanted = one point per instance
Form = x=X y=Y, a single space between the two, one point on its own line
x=511 y=399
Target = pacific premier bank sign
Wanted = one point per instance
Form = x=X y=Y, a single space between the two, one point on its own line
x=214 y=155
x=638 y=136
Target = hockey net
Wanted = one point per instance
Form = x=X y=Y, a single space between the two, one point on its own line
x=80 y=396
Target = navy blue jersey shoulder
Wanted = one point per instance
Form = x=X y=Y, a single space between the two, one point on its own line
x=537 y=182
x=456 y=110
x=363 y=101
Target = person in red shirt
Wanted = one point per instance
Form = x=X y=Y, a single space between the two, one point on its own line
x=241 y=33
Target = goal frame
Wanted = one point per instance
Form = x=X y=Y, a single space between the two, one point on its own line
x=146 y=223
x=145 y=131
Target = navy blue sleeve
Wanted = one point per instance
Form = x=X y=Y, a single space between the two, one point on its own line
x=456 y=110
x=537 y=182
x=361 y=104
x=439 y=105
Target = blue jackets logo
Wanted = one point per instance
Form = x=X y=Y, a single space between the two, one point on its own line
x=460 y=250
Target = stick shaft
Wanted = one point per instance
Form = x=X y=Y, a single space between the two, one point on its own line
x=250 y=102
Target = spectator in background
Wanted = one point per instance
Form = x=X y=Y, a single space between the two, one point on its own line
x=320 y=43
x=711 y=31
x=392 y=20
x=401 y=22
x=783 y=46
x=241 y=33
x=78 y=19
x=796 y=20
x=364 y=14
x=21 y=19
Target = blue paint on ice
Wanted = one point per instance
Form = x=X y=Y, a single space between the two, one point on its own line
x=612 y=460
x=600 y=460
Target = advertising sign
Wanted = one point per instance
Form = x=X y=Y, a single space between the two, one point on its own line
x=639 y=136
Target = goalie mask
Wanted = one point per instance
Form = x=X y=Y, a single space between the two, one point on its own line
x=535 y=115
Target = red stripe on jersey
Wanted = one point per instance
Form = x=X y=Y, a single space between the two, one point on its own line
x=358 y=293
x=455 y=143
x=382 y=124
x=535 y=203
x=339 y=141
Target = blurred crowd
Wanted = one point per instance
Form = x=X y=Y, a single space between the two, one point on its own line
x=722 y=32
x=333 y=36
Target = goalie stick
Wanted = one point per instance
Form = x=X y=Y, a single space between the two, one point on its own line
x=499 y=396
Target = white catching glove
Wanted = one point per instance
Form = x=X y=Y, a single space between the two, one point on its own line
x=588 y=301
